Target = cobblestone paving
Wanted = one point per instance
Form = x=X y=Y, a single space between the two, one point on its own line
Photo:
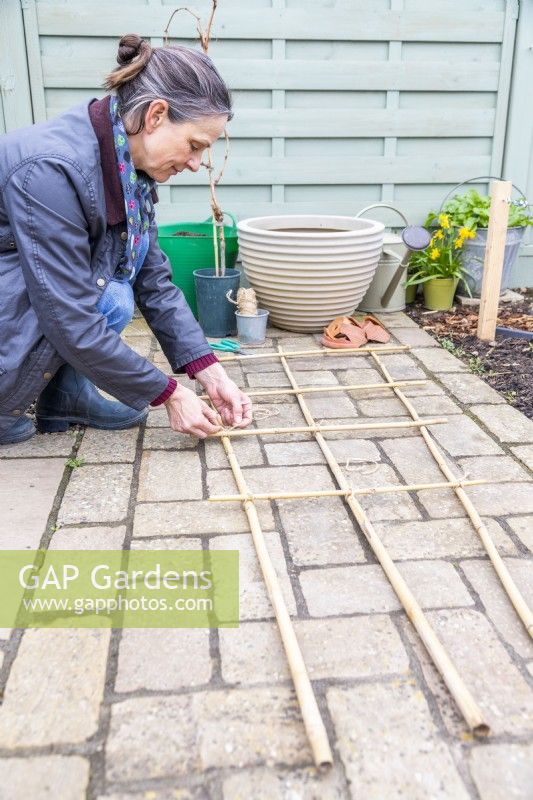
x=212 y=715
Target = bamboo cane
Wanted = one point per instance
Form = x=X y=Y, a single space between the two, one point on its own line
x=364 y=426
x=520 y=605
x=215 y=243
x=442 y=661
x=314 y=725
x=324 y=351
x=417 y=487
x=312 y=389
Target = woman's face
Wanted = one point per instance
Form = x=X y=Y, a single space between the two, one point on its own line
x=164 y=148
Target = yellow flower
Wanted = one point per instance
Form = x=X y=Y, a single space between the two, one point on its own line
x=466 y=233
x=458 y=243
x=444 y=221
x=439 y=235
x=435 y=253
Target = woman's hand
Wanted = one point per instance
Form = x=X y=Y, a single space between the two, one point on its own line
x=233 y=405
x=188 y=414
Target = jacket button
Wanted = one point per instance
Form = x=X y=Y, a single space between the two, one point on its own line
x=47 y=375
x=124 y=236
x=100 y=282
x=17 y=412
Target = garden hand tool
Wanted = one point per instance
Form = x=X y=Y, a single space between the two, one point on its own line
x=228 y=346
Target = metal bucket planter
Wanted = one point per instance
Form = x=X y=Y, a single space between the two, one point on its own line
x=473 y=259
x=308 y=269
x=252 y=329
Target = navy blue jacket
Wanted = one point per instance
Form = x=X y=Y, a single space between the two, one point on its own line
x=57 y=254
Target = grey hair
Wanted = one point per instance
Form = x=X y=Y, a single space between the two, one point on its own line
x=187 y=79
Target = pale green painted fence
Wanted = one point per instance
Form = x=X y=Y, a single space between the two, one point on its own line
x=338 y=104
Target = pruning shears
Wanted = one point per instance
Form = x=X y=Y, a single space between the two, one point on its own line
x=228 y=346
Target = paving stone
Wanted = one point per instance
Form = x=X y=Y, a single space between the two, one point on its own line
x=189 y=518
x=326 y=406
x=364 y=376
x=27 y=491
x=320 y=531
x=272 y=479
x=330 y=359
x=493 y=467
x=155 y=737
x=42 y=445
x=178 y=792
x=499 y=609
x=44 y=778
x=453 y=538
x=55 y=669
x=359 y=647
x=161 y=659
x=141 y=344
x=167 y=543
x=277 y=380
x=495 y=682
x=381 y=407
x=298 y=784
x=427 y=406
x=415 y=337
x=469 y=388
x=462 y=437
x=403 y=754
x=505 y=422
x=100 y=538
x=386 y=505
x=438 y=360
x=294 y=453
x=502 y=498
x=435 y=584
x=170 y=476
x=523 y=528
x=167 y=439
x=157 y=417
x=282 y=416
x=137 y=327
x=428 y=388
x=396 y=319
x=98 y=493
x=98 y=446
x=247 y=450
x=525 y=454
x=371 y=433
x=253 y=598
x=503 y=771
x=402 y=367
x=357 y=450
x=416 y=465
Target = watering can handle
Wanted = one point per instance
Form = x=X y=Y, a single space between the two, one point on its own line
x=381 y=205
x=228 y=213
x=480 y=178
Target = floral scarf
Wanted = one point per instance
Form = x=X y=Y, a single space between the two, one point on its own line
x=136 y=189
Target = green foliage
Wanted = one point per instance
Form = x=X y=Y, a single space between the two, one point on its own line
x=471 y=210
x=441 y=259
x=74 y=463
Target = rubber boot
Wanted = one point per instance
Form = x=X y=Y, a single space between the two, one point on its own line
x=71 y=399
x=15 y=430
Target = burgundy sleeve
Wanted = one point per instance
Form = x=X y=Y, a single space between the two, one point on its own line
x=165 y=394
x=191 y=369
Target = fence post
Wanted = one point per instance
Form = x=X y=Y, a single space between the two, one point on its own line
x=494 y=253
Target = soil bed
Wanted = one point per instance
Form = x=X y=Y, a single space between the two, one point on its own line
x=505 y=364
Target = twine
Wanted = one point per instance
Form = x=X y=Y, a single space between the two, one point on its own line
x=246 y=301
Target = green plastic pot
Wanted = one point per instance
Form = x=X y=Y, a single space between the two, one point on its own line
x=195 y=251
x=439 y=292
x=410 y=293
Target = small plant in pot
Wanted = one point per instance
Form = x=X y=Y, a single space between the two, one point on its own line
x=251 y=320
x=439 y=268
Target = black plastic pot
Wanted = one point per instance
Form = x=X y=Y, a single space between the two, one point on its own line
x=216 y=314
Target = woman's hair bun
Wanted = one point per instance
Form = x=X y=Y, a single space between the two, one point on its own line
x=130 y=46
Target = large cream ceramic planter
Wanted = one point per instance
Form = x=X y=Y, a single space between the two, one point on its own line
x=308 y=269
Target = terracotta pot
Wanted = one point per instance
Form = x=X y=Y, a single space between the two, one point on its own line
x=308 y=269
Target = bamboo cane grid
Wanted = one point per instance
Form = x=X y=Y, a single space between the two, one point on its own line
x=311 y=715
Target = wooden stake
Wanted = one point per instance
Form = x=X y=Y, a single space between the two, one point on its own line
x=313 y=722
x=364 y=426
x=313 y=389
x=494 y=253
x=324 y=351
x=417 y=487
x=442 y=661
x=509 y=585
